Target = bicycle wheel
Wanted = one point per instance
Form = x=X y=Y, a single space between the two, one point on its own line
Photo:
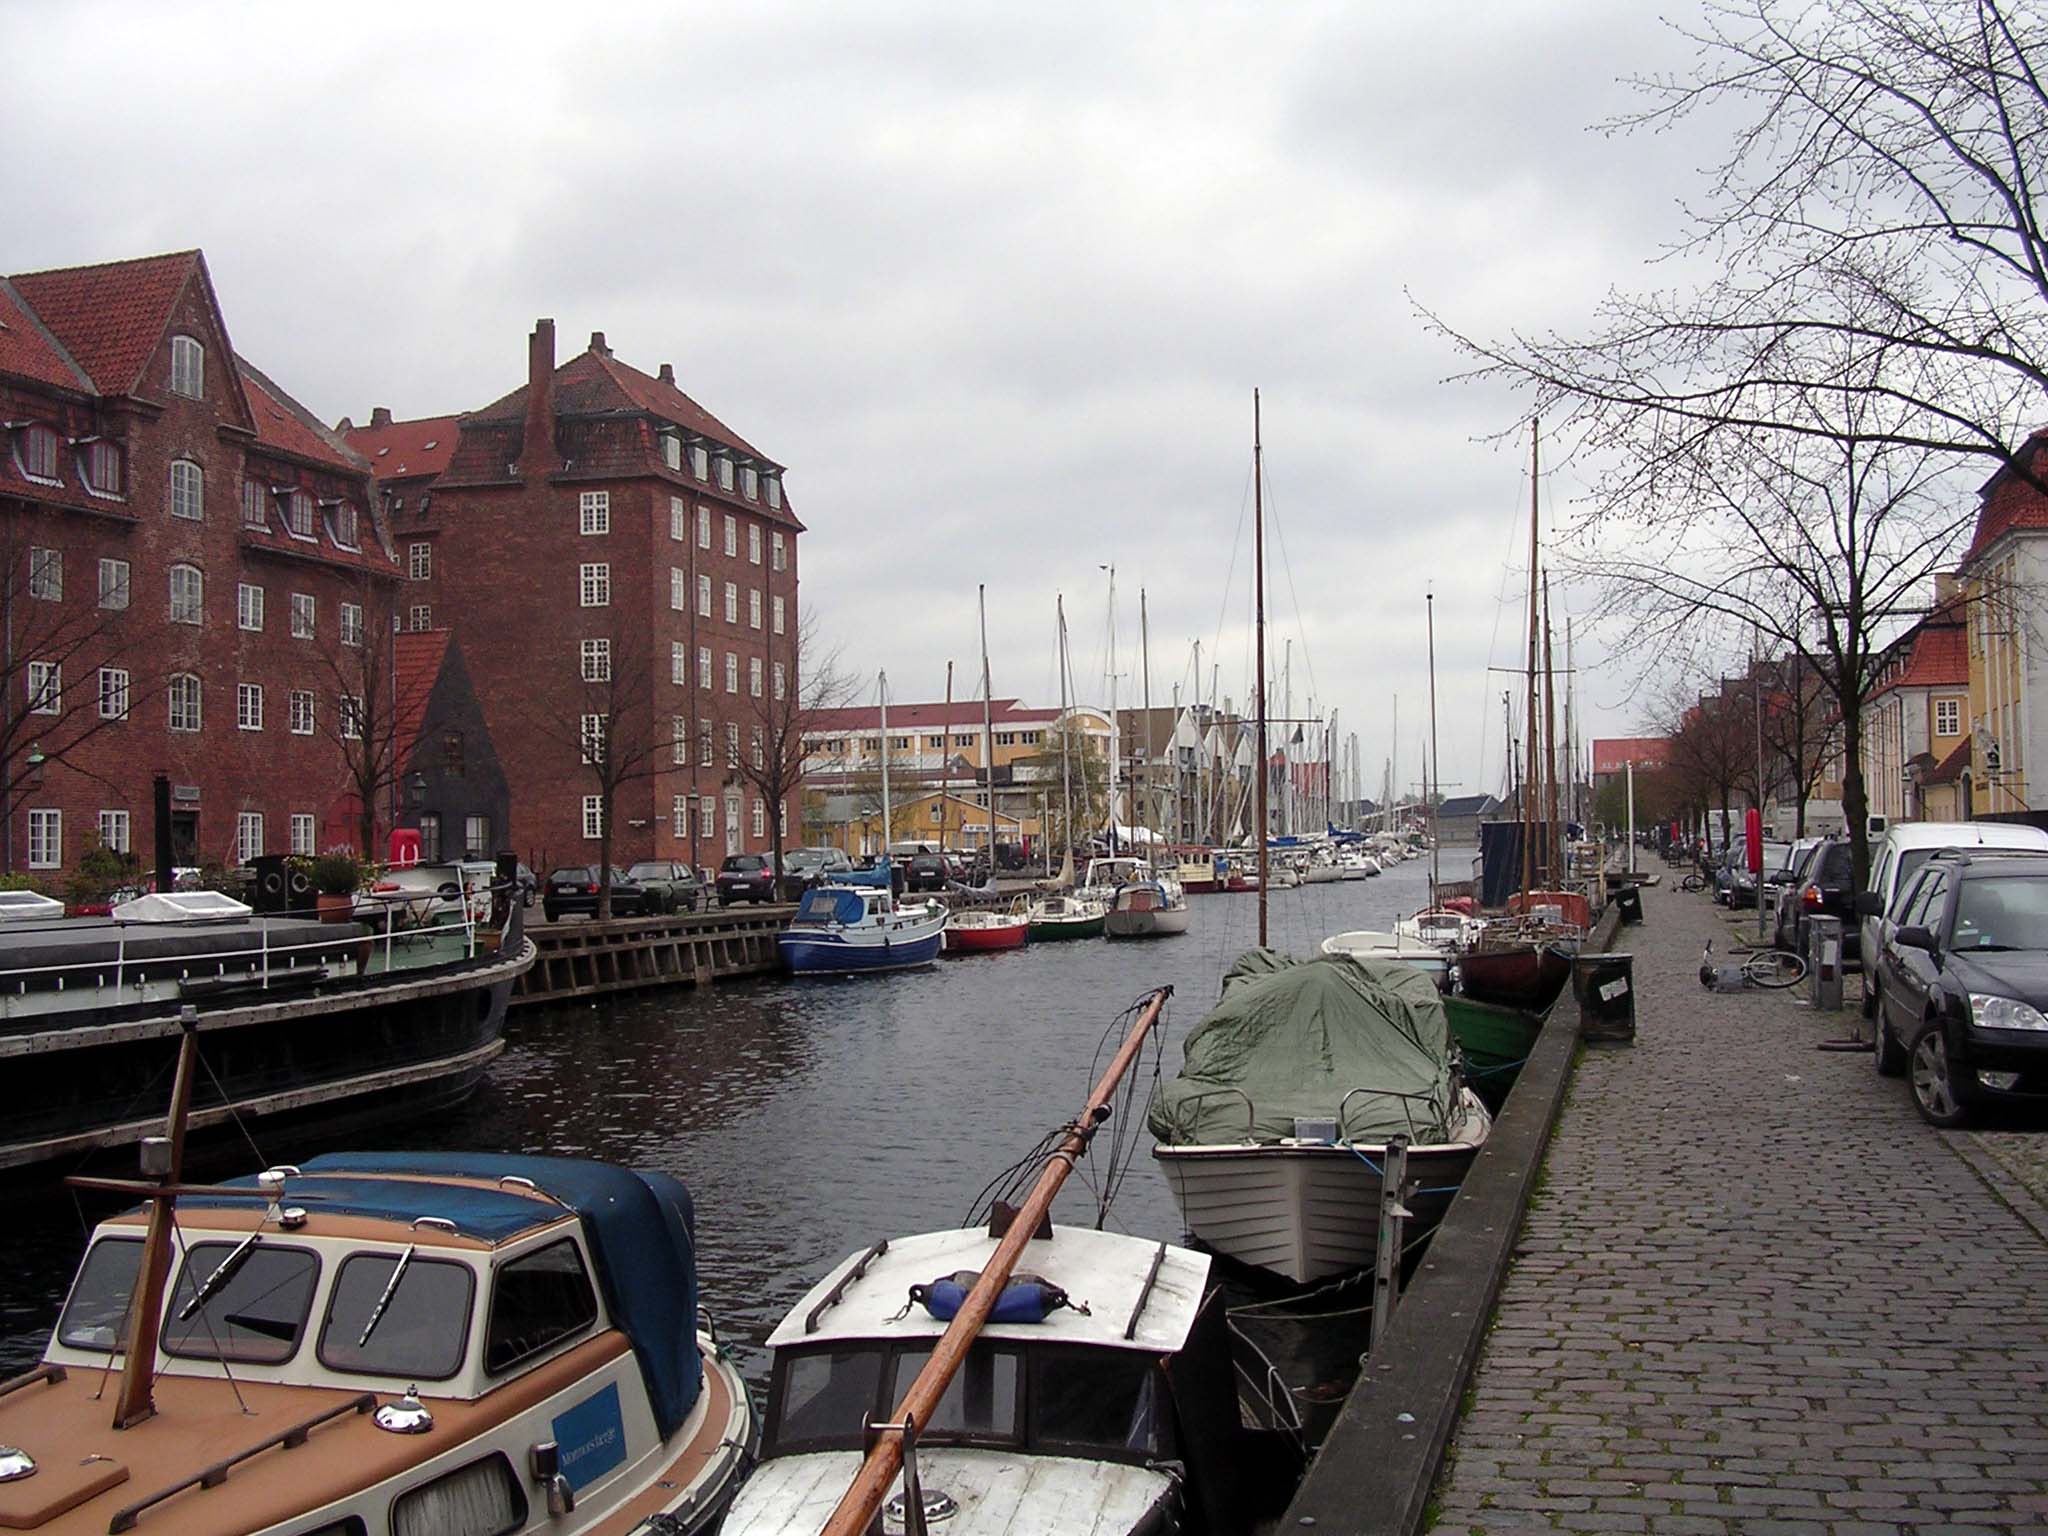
x=1693 y=882
x=1774 y=968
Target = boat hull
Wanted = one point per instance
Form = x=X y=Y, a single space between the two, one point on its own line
x=1046 y=930
x=838 y=955
x=986 y=939
x=1496 y=1041
x=1159 y=923
x=1527 y=976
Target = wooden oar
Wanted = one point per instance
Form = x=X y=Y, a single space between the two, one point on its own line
x=871 y=1486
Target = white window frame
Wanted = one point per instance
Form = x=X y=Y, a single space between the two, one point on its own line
x=595 y=660
x=114 y=583
x=671 y=447
x=757 y=747
x=679 y=816
x=248 y=706
x=779 y=613
x=420 y=561
x=732 y=671
x=725 y=476
x=778 y=553
x=255 y=503
x=351 y=623
x=186 y=712
x=45 y=839
x=304 y=832
x=37 y=451
x=700 y=461
x=305 y=616
x=113 y=682
x=349 y=716
x=188 y=607
x=732 y=531
x=594 y=512
x=703 y=596
x=300 y=519
x=774 y=482
x=45 y=687
x=46 y=574
x=754 y=676
x=780 y=681
x=594 y=584
x=705 y=757
x=299 y=709
x=707 y=815
x=753 y=543
x=705 y=668
x=678 y=520
x=759 y=820
x=678 y=664
x=103 y=470
x=188 y=491
x=344 y=526
x=116 y=830
x=593 y=816
x=753 y=607
x=1953 y=709
x=476 y=837
x=188 y=367
x=248 y=606
x=732 y=602
x=248 y=836
x=419 y=618
x=679 y=740
x=590 y=738
x=703 y=527
x=732 y=744
x=678 y=588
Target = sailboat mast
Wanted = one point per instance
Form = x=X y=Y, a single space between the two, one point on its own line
x=1554 y=865
x=1436 y=764
x=946 y=768
x=1259 y=643
x=988 y=735
x=1116 y=754
x=1571 y=747
x=1145 y=673
x=1066 y=734
x=1528 y=812
x=882 y=686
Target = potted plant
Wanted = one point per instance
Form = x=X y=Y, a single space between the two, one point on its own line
x=336 y=875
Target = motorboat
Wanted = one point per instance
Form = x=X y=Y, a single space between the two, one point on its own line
x=1441 y=927
x=1145 y=909
x=1434 y=960
x=1061 y=916
x=841 y=929
x=1196 y=872
x=454 y=1343
x=973 y=933
x=1273 y=1134
x=1520 y=962
x=309 y=1021
x=1352 y=864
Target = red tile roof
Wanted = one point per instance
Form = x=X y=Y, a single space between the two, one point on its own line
x=402 y=450
x=417 y=656
x=287 y=426
x=2008 y=501
x=594 y=382
x=1615 y=754
x=110 y=317
x=1941 y=658
x=1952 y=766
x=28 y=351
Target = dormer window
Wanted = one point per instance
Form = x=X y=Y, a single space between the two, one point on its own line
x=774 y=491
x=102 y=461
x=750 y=483
x=254 y=494
x=724 y=472
x=36 y=452
x=671 y=448
x=188 y=368
x=700 y=461
x=299 y=514
x=341 y=524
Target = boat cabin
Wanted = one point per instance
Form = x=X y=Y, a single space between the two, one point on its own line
x=381 y=1345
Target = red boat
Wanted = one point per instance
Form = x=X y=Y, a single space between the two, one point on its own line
x=976 y=932
x=1516 y=976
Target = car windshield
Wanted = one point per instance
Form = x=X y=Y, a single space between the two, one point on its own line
x=743 y=863
x=571 y=876
x=2004 y=912
x=802 y=859
x=651 y=872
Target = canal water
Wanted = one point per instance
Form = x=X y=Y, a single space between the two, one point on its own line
x=811 y=1118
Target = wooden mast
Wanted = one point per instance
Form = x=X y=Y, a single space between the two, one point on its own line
x=1145 y=674
x=988 y=734
x=1529 y=778
x=871 y=1485
x=1259 y=646
x=145 y=1315
x=946 y=768
x=1553 y=862
x=1066 y=737
x=1435 y=870
x=888 y=819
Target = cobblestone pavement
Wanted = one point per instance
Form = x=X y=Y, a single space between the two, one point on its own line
x=1755 y=1293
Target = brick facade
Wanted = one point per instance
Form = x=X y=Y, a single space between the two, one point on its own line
x=284 y=508
x=594 y=464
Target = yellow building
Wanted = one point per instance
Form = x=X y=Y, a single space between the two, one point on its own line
x=2003 y=574
x=1916 y=722
x=937 y=738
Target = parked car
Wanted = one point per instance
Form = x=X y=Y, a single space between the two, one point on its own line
x=672 y=884
x=1785 y=924
x=1782 y=878
x=1961 y=984
x=1742 y=885
x=803 y=867
x=927 y=872
x=527 y=884
x=1827 y=889
x=574 y=888
x=746 y=877
x=1903 y=848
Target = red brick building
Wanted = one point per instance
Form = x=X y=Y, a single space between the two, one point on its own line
x=620 y=569
x=191 y=572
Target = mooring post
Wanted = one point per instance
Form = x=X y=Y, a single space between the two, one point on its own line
x=1394 y=1213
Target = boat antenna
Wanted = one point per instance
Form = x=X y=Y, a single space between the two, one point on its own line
x=857 y=1506
x=1435 y=869
x=1259 y=644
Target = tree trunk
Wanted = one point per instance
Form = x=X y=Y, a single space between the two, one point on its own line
x=1855 y=798
x=604 y=853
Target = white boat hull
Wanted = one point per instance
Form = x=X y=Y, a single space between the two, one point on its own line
x=1159 y=923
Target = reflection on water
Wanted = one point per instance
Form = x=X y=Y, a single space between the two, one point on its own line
x=811 y=1118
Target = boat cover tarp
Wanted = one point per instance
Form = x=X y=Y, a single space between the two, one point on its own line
x=641 y=1227
x=880 y=876
x=1295 y=1037
x=822 y=904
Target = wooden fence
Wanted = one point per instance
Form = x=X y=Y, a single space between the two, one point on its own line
x=589 y=959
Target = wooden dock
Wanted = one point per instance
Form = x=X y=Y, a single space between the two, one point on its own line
x=590 y=959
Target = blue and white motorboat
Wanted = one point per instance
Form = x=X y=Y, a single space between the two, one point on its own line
x=845 y=928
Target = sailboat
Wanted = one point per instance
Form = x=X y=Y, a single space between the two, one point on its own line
x=1061 y=913
x=1148 y=903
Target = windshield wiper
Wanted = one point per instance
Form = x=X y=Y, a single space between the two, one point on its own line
x=220 y=1277
x=377 y=1313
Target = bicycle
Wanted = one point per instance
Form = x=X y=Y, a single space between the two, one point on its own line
x=1772 y=969
x=1693 y=882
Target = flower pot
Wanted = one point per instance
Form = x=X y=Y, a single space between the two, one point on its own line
x=335 y=908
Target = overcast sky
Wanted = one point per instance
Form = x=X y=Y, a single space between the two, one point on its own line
x=996 y=285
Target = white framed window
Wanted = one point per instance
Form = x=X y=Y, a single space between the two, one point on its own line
x=304 y=610
x=349 y=716
x=732 y=672
x=302 y=832
x=113 y=583
x=248 y=836
x=700 y=461
x=725 y=484
x=753 y=543
x=188 y=368
x=678 y=519
x=36 y=452
x=113 y=693
x=597 y=661
x=754 y=676
x=45 y=839
x=704 y=757
x=753 y=607
x=678 y=588
x=774 y=494
x=46 y=574
x=188 y=490
x=679 y=816
x=671 y=448
x=255 y=504
x=704 y=667
x=419 y=617
x=779 y=613
x=707 y=816
x=351 y=623
x=248 y=706
x=678 y=664
x=300 y=702
x=186 y=697
x=732 y=602
x=679 y=739
x=1948 y=717
x=760 y=818
x=419 y=561
x=45 y=688
x=756 y=748
x=778 y=552
x=781 y=680
x=732 y=525
x=594 y=585
x=703 y=527
x=188 y=594
x=103 y=467
x=248 y=606
x=591 y=738
x=750 y=487
x=476 y=837
x=732 y=744
x=593 y=816
x=299 y=517
x=341 y=525
x=594 y=512
x=703 y=597
x=114 y=831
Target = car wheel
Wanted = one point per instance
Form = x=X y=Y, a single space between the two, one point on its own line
x=1935 y=1091
x=1885 y=1052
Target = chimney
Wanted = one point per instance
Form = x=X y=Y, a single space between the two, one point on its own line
x=668 y=374
x=1947 y=587
x=380 y=415
x=597 y=344
x=537 y=447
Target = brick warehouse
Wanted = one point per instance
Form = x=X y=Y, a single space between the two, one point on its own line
x=616 y=562
x=190 y=565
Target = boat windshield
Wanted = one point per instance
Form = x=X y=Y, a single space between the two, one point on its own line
x=97 y=1311
x=256 y=1313
x=423 y=1330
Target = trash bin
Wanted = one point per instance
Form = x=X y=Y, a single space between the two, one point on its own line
x=1606 y=990
x=1629 y=899
x=1824 y=961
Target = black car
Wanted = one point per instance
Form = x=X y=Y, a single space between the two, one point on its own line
x=672 y=882
x=746 y=877
x=1963 y=985
x=927 y=872
x=1826 y=889
x=574 y=888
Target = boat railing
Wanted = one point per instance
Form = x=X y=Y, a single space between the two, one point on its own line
x=1251 y=1111
x=1407 y=1101
x=1265 y=1386
x=212 y=1477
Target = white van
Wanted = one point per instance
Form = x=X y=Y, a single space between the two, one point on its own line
x=1903 y=848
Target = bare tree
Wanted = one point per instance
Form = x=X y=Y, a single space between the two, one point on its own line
x=366 y=701
x=68 y=667
x=1801 y=729
x=771 y=719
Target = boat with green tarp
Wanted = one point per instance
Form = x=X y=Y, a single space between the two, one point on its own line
x=1496 y=1041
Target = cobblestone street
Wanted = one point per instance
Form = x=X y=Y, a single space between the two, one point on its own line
x=1756 y=1293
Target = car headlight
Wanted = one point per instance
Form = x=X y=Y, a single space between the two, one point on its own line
x=2004 y=1013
